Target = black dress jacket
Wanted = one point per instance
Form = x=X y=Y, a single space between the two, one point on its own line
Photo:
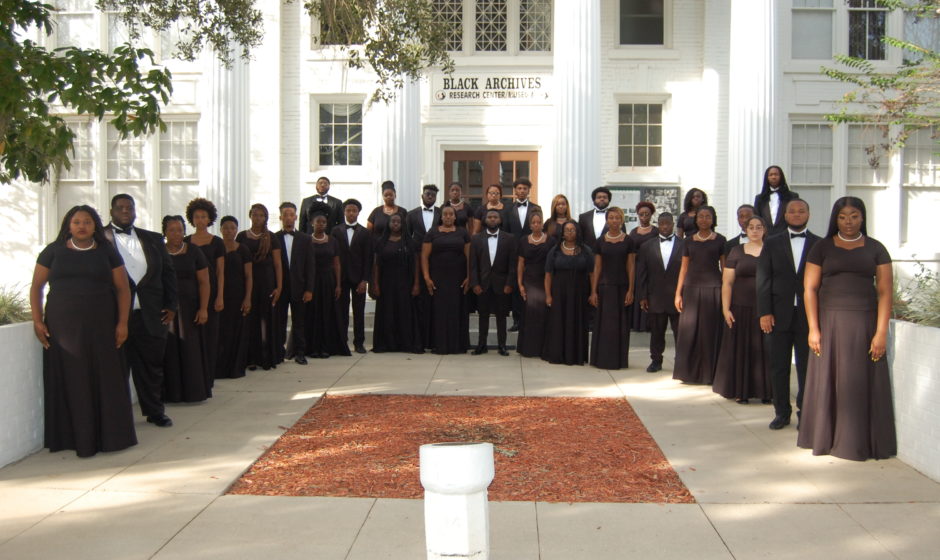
x=355 y=258
x=586 y=225
x=503 y=270
x=414 y=223
x=654 y=283
x=510 y=218
x=300 y=271
x=778 y=282
x=306 y=220
x=777 y=223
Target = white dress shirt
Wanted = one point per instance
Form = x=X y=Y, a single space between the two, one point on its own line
x=427 y=214
x=665 y=249
x=491 y=241
x=288 y=243
x=522 y=211
x=774 y=205
x=349 y=232
x=135 y=262
x=796 y=245
x=600 y=220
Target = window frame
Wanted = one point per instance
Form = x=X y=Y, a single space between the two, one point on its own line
x=663 y=103
x=316 y=101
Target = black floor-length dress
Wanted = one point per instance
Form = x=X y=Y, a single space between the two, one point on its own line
x=324 y=329
x=86 y=393
x=610 y=345
x=848 y=410
x=532 y=333
x=213 y=251
x=701 y=322
x=262 y=321
x=447 y=267
x=185 y=367
x=637 y=315
x=233 y=328
x=396 y=323
x=742 y=372
x=566 y=336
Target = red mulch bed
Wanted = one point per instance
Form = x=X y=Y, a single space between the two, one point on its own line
x=547 y=449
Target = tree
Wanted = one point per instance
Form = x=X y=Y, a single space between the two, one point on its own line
x=897 y=103
x=36 y=83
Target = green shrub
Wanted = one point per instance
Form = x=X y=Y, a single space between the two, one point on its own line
x=918 y=300
x=14 y=307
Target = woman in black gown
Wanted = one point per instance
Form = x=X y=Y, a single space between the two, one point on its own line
x=685 y=222
x=494 y=201
x=266 y=289
x=233 y=331
x=742 y=371
x=201 y=214
x=86 y=395
x=444 y=258
x=612 y=294
x=559 y=215
x=698 y=300
x=325 y=333
x=642 y=233
x=568 y=269
x=455 y=200
x=394 y=287
x=186 y=373
x=378 y=219
x=847 y=407
x=533 y=250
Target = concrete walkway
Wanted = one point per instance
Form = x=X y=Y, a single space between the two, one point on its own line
x=758 y=495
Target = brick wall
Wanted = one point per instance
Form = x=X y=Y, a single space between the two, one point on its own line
x=21 y=412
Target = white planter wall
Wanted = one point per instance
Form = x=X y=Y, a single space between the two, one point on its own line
x=913 y=357
x=21 y=408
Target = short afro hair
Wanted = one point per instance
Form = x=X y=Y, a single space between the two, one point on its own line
x=201 y=204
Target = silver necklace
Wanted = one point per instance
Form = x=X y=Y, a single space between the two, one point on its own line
x=839 y=233
x=182 y=246
x=77 y=248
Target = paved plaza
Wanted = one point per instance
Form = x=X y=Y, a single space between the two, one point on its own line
x=758 y=495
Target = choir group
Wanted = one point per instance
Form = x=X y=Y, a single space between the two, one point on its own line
x=177 y=311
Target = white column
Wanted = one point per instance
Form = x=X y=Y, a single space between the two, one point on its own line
x=577 y=85
x=228 y=153
x=400 y=158
x=753 y=100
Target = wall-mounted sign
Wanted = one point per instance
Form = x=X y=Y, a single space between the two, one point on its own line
x=665 y=199
x=491 y=88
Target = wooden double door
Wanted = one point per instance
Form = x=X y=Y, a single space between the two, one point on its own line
x=478 y=170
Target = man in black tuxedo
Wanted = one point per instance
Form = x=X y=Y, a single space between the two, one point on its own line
x=745 y=213
x=657 y=273
x=419 y=222
x=336 y=207
x=492 y=277
x=515 y=220
x=355 y=259
x=153 y=306
x=593 y=223
x=297 y=261
x=780 y=306
x=771 y=203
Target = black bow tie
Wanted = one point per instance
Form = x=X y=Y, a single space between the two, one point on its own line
x=348 y=227
x=429 y=209
x=665 y=239
x=743 y=236
x=801 y=234
x=604 y=211
x=521 y=204
x=492 y=234
x=119 y=230
x=289 y=233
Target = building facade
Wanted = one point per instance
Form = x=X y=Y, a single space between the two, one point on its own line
x=648 y=97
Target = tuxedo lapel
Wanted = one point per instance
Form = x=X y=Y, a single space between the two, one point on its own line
x=788 y=252
x=150 y=250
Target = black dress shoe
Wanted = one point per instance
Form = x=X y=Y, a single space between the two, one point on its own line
x=502 y=351
x=654 y=367
x=514 y=327
x=779 y=422
x=299 y=359
x=323 y=355
x=360 y=349
x=479 y=350
x=161 y=420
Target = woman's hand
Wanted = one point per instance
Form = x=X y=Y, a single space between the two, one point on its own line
x=645 y=305
x=678 y=303
x=430 y=285
x=308 y=296
x=592 y=299
x=202 y=316
x=415 y=290
x=629 y=299
x=120 y=334
x=548 y=300
x=219 y=304
x=374 y=291
x=522 y=292
x=729 y=318
x=246 y=307
x=879 y=344
x=42 y=333
x=477 y=290
x=275 y=295
x=813 y=341
x=337 y=291
x=465 y=285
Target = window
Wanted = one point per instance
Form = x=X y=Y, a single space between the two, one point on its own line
x=923 y=32
x=535 y=25
x=920 y=185
x=810 y=172
x=75 y=24
x=341 y=134
x=449 y=15
x=866 y=29
x=640 y=135
x=642 y=22
x=812 y=29
x=491 y=25
x=867 y=162
x=179 y=163
x=83 y=159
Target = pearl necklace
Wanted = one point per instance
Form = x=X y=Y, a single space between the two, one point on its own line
x=567 y=248
x=321 y=239
x=617 y=237
x=77 y=248
x=839 y=233
x=182 y=246
x=700 y=238
x=539 y=240
x=253 y=235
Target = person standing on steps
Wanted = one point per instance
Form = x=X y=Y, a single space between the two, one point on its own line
x=492 y=278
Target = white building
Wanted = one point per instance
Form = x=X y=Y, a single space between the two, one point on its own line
x=636 y=94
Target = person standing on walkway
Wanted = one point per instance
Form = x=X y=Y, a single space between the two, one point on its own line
x=335 y=205
x=377 y=222
x=771 y=202
x=593 y=223
x=297 y=264
x=86 y=398
x=641 y=234
x=327 y=319
x=395 y=283
x=568 y=270
x=492 y=278
x=657 y=274
x=418 y=223
x=781 y=308
x=698 y=299
x=267 y=287
x=154 y=303
x=201 y=214
x=444 y=263
x=515 y=220
x=532 y=252
x=354 y=245
x=233 y=331
x=612 y=289
x=848 y=410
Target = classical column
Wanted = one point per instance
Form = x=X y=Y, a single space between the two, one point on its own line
x=400 y=159
x=228 y=151
x=753 y=102
x=577 y=87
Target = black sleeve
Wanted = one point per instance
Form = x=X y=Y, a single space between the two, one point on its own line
x=168 y=275
x=47 y=255
x=114 y=257
x=199 y=257
x=765 y=276
x=642 y=274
